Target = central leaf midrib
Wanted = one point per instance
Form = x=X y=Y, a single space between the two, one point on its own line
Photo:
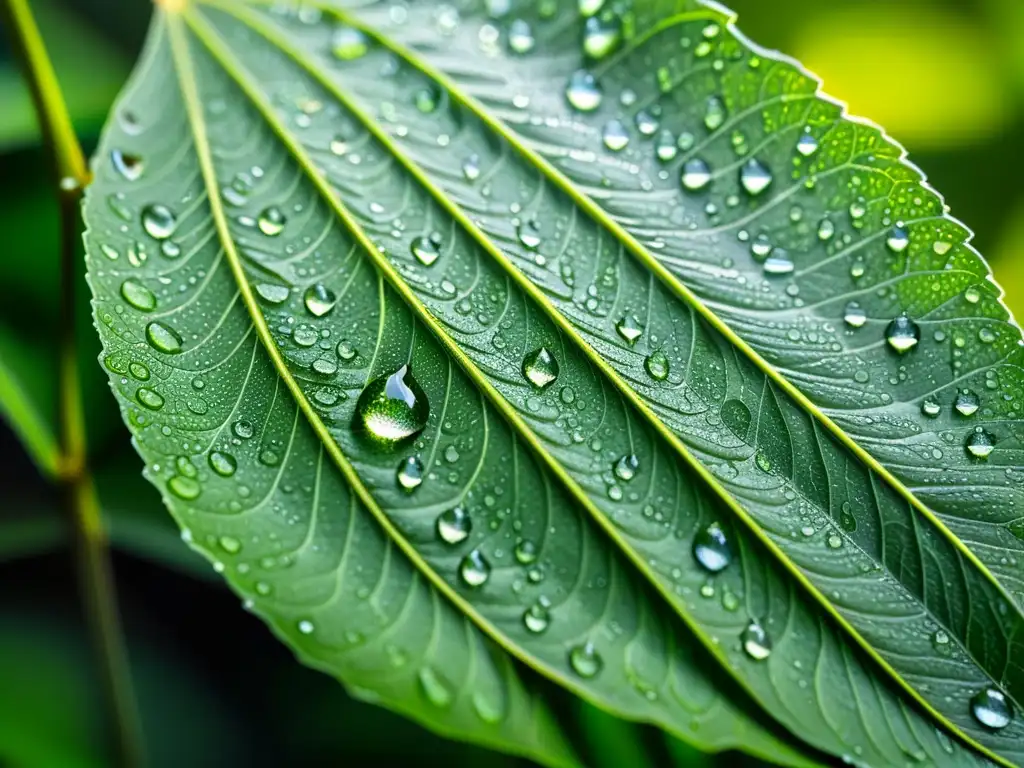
x=499 y=402
x=209 y=38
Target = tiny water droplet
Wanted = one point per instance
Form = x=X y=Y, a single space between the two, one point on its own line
x=474 y=569
x=230 y=544
x=410 y=474
x=601 y=34
x=540 y=368
x=128 y=165
x=158 y=221
x=454 y=525
x=696 y=175
x=755 y=178
x=306 y=627
x=714 y=114
x=427 y=99
x=319 y=299
x=582 y=91
x=393 y=408
x=807 y=145
x=966 y=403
x=626 y=467
x=271 y=221
x=536 y=618
x=520 y=36
x=854 y=315
x=991 y=708
x=756 y=643
x=898 y=240
x=657 y=365
x=348 y=43
x=224 y=464
x=615 y=135
x=585 y=660
x=271 y=293
x=525 y=552
x=645 y=123
x=980 y=444
x=665 y=146
x=826 y=229
x=931 y=408
x=629 y=329
x=163 y=339
x=711 y=549
x=903 y=334
x=138 y=295
x=471 y=167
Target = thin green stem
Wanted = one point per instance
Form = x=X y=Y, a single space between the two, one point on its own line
x=95 y=576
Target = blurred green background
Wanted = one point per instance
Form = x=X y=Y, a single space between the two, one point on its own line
x=945 y=78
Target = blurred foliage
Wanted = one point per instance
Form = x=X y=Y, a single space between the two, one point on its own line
x=945 y=78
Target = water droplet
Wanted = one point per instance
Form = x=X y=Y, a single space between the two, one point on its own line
x=665 y=146
x=858 y=210
x=138 y=371
x=158 y=221
x=755 y=177
x=454 y=525
x=582 y=91
x=185 y=488
x=271 y=221
x=149 y=398
x=756 y=643
x=585 y=660
x=615 y=135
x=520 y=36
x=528 y=233
x=807 y=145
x=834 y=541
x=435 y=688
x=629 y=329
x=410 y=474
x=778 y=263
x=138 y=295
x=319 y=299
x=346 y=351
x=129 y=166
x=525 y=552
x=163 y=339
x=714 y=114
x=696 y=175
x=902 y=334
x=980 y=444
x=854 y=315
x=590 y=7
x=230 y=544
x=898 y=240
x=711 y=548
x=393 y=408
x=474 y=569
x=645 y=123
x=600 y=35
x=427 y=99
x=426 y=249
x=224 y=464
x=966 y=403
x=931 y=408
x=991 y=708
x=536 y=618
x=626 y=467
x=826 y=230
x=348 y=43
x=471 y=167
x=306 y=627
x=973 y=294
x=243 y=428
x=656 y=365
x=272 y=294
x=540 y=368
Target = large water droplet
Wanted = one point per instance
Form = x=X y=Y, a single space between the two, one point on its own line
x=898 y=240
x=138 y=295
x=410 y=474
x=991 y=708
x=243 y=428
x=626 y=467
x=454 y=525
x=807 y=145
x=224 y=464
x=163 y=339
x=583 y=92
x=185 y=488
x=629 y=329
x=149 y=398
x=615 y=135
x=756 y=643
x=128 y=165
x=696 y=175
x=434 y=688
x=528 y=232
x=393 y=408
x=158 y=221
x=966 y=403
x=657 y=365
x=585 y=660
x=271 y=221
x=902 y=334
x=980 y=444
x=520 y=36
x=711 y=548
x=854 y=315
x=474 y=569
x=778 y=264
x=319 y=299
x=755 y=178
x=348 y=43
x=646 y=123
x=426 y=249
x=271 y=293
x=600 y=35
x=537 y=617
x=540 y=368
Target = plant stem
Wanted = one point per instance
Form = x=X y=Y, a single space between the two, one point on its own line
x=95 y=575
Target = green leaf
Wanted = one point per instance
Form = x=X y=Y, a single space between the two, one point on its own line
x=618 y=254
